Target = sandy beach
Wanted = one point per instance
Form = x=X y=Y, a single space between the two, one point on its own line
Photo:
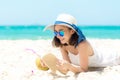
x=17 y=61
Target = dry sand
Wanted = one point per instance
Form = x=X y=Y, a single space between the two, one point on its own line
x=17 y=61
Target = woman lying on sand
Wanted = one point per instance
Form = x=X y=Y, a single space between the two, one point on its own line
x=78 y=54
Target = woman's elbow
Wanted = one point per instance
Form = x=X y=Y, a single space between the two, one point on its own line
x=83 y=69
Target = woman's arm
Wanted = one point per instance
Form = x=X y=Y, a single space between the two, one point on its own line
x=84 y=50
x=65 y=54
x=66 y=65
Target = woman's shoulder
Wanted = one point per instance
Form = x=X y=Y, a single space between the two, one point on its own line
x=86 y=46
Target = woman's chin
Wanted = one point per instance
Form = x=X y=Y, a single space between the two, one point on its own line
x=63 y=42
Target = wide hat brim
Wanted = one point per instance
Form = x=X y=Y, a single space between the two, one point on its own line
x=51 y=27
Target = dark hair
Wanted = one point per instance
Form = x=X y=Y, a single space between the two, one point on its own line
x=72 y=41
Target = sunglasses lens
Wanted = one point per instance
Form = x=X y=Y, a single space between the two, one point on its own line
x=55 y=33
x=61 y=33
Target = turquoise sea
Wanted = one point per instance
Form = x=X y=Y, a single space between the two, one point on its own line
x=36 y=32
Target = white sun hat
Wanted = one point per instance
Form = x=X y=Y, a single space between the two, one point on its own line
x=69 y=21
x=63 y=19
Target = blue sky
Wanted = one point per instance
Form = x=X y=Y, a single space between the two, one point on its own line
x=38 y=12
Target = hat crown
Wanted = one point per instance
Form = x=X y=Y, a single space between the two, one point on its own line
x=66 y=18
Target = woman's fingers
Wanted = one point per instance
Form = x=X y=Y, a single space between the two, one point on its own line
x=62 y=69
x=59 y=62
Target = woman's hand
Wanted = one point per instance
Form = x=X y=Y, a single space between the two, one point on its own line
x=63 y=66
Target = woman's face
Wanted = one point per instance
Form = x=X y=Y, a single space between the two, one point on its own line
x=66 y=31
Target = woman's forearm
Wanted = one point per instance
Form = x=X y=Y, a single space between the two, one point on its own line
x=65 y=66
x=76 y=69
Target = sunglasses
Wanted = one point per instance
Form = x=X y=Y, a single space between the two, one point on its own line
x=60 y=33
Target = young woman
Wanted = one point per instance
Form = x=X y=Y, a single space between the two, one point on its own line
x=78 y=54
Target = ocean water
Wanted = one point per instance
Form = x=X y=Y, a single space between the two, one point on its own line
x=35 y=32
